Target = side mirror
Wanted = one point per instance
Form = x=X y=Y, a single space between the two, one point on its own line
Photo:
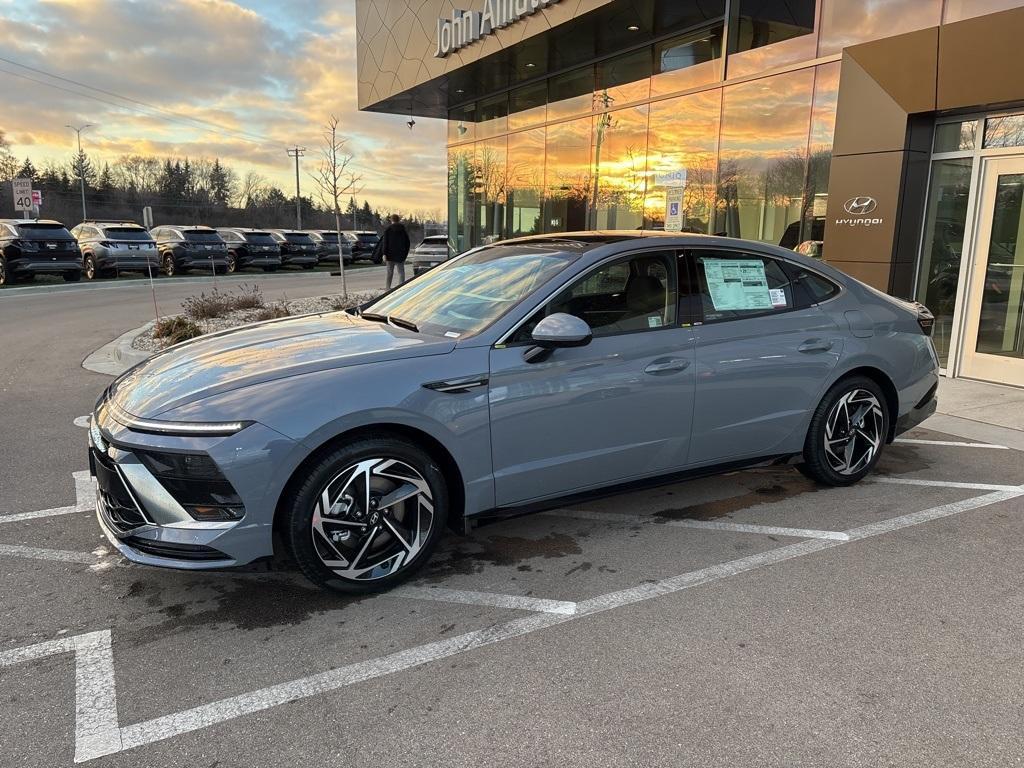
x=561 y=330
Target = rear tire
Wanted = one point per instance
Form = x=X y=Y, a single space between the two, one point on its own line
x=232 y=264
x=5 y=277
x=89 y=267
x=847 y=433
x=355 y=546
x=168 y=267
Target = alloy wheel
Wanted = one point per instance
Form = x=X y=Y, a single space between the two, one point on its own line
x=3 y=271
x=169 y=265
x=90 y=268
x=231 y=265
x=372 y=519
x=854 y=432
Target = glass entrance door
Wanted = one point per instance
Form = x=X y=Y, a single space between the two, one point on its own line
x=993 y=344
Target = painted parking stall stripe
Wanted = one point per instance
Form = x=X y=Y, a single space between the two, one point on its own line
x=950 y=443
x=708 y=525
x=491 y=599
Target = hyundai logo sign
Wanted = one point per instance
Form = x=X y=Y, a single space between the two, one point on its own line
x=860 y=206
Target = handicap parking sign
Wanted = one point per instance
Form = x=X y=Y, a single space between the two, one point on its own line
x=673 y=209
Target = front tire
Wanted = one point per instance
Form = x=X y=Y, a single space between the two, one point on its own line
x=169 y=267
x=367 y=516
x=5 y=276
x=90 y=267
x=232 y=264
x=847 y=433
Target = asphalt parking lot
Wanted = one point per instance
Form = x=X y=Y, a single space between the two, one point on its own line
x=752 y=619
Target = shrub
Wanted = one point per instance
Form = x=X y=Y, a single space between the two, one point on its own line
x=273 y=312
x=352 y=300
x=172 y=330
x=203 y=307
x=248 y=298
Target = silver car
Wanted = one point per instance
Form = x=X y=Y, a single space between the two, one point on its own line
x=506 y=379
x=433 y=250
x=111 y=247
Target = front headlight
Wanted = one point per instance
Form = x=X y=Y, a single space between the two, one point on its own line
x=204 y=428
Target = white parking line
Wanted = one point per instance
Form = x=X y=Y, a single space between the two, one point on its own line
x=493 y=599
x=947 y=484
x=710 y=525
x=952 y=443
x=98 y=732
x=85 y=491
x=37 y=553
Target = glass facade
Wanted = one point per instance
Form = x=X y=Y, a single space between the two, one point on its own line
x=606 y=146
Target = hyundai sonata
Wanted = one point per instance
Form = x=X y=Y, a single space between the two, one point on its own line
x=506 y=379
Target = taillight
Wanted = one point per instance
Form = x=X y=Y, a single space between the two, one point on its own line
x=925 y=318
x=27 y=245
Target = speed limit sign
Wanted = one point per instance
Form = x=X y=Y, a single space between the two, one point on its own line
x=22 y=194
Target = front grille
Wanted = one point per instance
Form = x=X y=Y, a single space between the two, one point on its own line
x=116 y=503
x=175 y=551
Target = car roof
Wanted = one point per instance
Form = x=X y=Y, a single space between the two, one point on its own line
x=115 y=223
x=187 y=226
x=32 y=221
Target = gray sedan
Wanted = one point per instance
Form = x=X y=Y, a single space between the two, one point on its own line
x=507 y=379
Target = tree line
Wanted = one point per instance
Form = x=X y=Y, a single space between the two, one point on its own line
x=180 y=190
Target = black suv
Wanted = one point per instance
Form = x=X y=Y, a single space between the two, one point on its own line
x=111 y=247
x=364 y=244
x=30 y=247
x=297 y=248
x=190 y=247
x=249 y=247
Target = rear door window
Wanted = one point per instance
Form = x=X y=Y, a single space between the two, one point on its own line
x=811 y=288
x=735 y=285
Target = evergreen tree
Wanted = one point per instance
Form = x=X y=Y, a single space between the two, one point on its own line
x=220 y=188
x=28 y=171
x=366 y=217
x=82 y=167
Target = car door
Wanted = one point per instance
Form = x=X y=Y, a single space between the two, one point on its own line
x=616 y=409
x=764 y=352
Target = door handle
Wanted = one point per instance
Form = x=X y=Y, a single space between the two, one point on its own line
x=815 y=345
x=672 y=365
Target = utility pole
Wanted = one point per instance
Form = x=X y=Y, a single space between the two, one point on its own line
x=81 y=169
x=297 y=152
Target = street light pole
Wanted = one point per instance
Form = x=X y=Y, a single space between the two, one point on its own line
x=297 y=152
x=81 y=169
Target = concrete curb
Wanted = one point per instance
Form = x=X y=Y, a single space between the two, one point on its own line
x=118 y=356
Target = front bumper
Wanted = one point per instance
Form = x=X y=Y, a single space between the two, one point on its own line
x=146 y=523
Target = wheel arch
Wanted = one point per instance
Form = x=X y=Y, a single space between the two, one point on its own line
x=885 y=383
x=447 y=463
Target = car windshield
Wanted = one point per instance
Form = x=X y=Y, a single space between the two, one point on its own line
x=127 y=233
x=44 y=232
x=465 y=296
x=259 y=238
x=298 y=237
x=201 y=236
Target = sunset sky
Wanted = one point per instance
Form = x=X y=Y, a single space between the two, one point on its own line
x=267 y=73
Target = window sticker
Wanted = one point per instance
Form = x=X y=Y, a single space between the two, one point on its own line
x=737 y=284
x=654 y=322
x=778 y=297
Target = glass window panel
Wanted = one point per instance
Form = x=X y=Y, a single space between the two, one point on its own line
x=811 y=237
x=568 y=185
x=623 y=79
x=763 y=155
x=524 y=179
x=844 y=23
x=462 y=213
x=686 y=62
x=528 y=106
x=767 y=287
x=967 y=9
x=462 y=123
x=682 y=151
x=1001 y=323
x=1005 y=131
x=492 y=116
x=771 y=33
x=571 y=94
x=491 y=162
x=619 y=168
x=955 y=137
x=943 y=245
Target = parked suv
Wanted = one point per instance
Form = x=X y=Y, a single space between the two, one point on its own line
x=109 y=247
x=327 y=246
x=363 y=245
x=249 y=247
x=297 y=248
x=428 y=254
x=30 y=247
x=190 y=247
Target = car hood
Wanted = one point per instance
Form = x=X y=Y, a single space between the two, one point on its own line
x=263 y=352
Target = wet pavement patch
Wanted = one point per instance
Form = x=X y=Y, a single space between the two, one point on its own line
x=776 y=488
x=469 y=556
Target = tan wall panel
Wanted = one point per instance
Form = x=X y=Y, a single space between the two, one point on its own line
x=875 y=275
x=905 y=66
x=981 y=61
x=876 y=175
x=396 y=41
x=868 y=119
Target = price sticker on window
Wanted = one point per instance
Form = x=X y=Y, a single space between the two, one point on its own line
x=738 y=284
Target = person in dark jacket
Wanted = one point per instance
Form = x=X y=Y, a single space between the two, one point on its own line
x=394 y=245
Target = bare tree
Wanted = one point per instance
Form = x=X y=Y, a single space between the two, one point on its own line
x=9 y=164
x=335 y=180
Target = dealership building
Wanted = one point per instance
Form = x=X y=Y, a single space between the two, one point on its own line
x=885 y=136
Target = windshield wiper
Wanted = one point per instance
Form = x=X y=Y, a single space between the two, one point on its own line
x=375 y=317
